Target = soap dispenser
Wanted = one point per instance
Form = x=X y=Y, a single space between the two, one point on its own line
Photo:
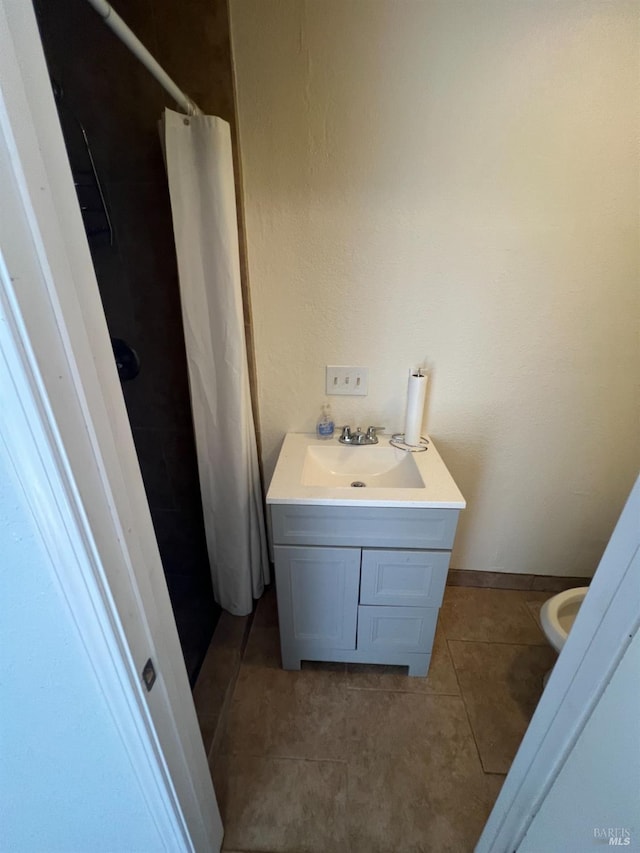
x=325 y=425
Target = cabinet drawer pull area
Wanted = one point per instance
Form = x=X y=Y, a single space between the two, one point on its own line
x=404 y=578
x=387 y=629
x=373 y=527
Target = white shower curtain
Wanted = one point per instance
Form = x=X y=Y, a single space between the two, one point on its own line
x=203 y=203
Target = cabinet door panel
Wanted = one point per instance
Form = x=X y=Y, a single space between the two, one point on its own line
x=405 y=578
x=318 y=595
x=406 y=629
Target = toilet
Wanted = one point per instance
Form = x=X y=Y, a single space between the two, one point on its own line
x=558 y=614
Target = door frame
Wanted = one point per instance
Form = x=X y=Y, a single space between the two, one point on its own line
x=65 y=431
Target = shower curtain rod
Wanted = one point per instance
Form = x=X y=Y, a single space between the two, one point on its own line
x=115 y=22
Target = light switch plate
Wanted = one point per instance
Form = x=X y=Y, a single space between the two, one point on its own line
x=347 y=380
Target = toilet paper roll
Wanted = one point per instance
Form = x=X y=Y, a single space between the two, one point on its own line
x=416 y=393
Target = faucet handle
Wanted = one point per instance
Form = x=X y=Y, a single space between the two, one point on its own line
x=346 y=432
x=372 y=438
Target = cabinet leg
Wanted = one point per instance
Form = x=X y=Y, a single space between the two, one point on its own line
x=420 y=667
x=290 y=662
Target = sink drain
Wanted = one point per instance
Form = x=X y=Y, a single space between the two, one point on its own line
x=358 y=484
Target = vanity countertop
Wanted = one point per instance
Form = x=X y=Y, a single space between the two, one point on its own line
x=314 y=471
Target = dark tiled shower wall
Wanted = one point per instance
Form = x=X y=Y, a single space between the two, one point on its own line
x=119 y=105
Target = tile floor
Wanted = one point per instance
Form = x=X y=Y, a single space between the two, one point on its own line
x=362 y=759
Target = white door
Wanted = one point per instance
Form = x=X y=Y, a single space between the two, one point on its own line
x=92 y=502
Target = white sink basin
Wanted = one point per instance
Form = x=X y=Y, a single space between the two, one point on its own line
x=371 y=467
x=311 y=471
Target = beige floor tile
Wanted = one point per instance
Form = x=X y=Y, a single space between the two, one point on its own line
x=501 y=685
x=220 y=664
x=433 y=797
x=441 y=678
x=534 y=610
x=207 y=727
x=367 y=760
x=262 y=651
x=263 y=654
x=490 y=615
x=217 y=674
x=383 y=722
x=495 y=782
x=286 y=714
x=223 y=656
x=279 y=805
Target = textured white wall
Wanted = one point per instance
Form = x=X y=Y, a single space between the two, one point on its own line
x=455 y=182
x=66 y=780
x=597 y=789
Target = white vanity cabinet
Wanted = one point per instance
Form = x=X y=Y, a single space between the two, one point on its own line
x=360 y=584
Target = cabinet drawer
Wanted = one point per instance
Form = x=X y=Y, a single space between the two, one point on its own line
x=400 y=629
x=369 y=527
x=408 y=578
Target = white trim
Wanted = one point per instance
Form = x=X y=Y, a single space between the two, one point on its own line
x=91 y=508
x=602 y=632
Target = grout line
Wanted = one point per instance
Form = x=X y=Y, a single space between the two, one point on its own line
x=276 y=757
x=220 y=729
x=430 y=693
x=540 y=645
x=532 y=617
x=466 y=710
x=453 y=667
x=224 y=849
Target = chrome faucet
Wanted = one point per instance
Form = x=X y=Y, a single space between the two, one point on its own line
x=358 y=437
